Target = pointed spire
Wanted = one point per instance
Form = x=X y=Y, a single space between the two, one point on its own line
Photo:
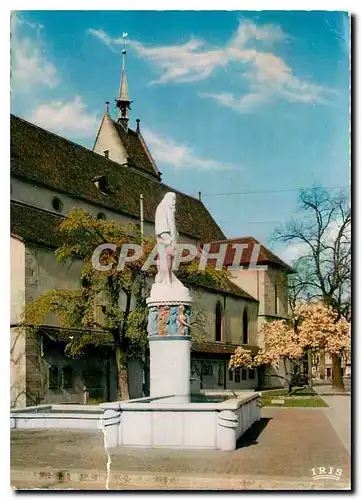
x=123 y=102
x=123 y=91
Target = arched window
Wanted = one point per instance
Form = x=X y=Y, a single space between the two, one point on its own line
x=245 y=327
x=53 y=377
x=67 y=374
x=219 y=322
x=57 y=204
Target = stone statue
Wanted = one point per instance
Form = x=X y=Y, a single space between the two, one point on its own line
x=167 y=236
x=167 y=288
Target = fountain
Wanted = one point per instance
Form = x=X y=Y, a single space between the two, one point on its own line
x=168 y=417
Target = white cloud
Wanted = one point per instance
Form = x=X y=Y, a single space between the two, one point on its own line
x=30 y=65
x=34 y=75
x=103 y=37
x=266 y=74
x=293 y=251
x=68 y=118
x=168 y=152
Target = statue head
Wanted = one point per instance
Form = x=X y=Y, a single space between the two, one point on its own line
x=169 y=200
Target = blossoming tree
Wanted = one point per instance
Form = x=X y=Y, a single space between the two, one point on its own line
x=313 y=327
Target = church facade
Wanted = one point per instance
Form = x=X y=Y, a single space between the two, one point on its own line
x=50 y=176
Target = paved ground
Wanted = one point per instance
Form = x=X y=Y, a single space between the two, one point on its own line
x=325 y=388
x=339 y=409
x=277 y=453
x=339 y=414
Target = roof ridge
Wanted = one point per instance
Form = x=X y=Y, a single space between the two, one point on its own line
x=148 y=153
x=37 y=209
x=239 y=238
x=128 y=147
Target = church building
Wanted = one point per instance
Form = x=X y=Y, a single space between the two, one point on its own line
x=50 y=176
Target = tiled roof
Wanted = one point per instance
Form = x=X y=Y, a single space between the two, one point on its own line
x=47 y=159
x=137 y=151
x=34 y=225
x=226 y=286
x=265 y=257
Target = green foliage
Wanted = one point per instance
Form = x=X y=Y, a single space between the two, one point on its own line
x=94 y=313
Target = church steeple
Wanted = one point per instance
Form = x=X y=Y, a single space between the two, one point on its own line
x=123 y=101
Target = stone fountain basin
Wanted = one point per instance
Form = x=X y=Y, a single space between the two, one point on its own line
x=161 y=422
x=57 y=417
x=152 y=422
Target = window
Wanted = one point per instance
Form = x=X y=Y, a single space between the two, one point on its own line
x=276 y=299
x=57 y=204
x=207 y=368
x=219 y=321
x=237 y=375
x=245 y=327
x=101 y=216
x=230 y=375
x=53 y=377
x=67 y=374
x=328 y=372
x=101 y=183
x=251 y=374
x=220 y=375
x=244 y=374
x=106 y=153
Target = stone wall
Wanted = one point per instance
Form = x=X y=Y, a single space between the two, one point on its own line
x=17 y=334
x=108 y=140
x=203 y=316
x=41 y=197
x=268 y=286
x=275 y=293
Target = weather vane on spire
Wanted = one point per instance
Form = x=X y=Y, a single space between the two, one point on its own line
x=124 y=36
x=123 y=101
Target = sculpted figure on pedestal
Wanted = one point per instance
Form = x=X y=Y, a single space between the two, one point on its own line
x=167 y=236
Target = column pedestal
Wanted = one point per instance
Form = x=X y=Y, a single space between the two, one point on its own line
x=170 y=367
x=170 y=349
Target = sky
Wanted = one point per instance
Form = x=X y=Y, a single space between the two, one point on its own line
x=245 y=107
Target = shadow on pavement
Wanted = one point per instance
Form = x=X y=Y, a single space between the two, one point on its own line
x=250 y=437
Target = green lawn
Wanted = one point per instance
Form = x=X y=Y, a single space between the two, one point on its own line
x=296 y=391
x=302 y=396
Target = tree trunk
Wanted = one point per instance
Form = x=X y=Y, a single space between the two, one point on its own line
x=322 y=365
x=309 y=365
x=337 y=380
x=122 y=374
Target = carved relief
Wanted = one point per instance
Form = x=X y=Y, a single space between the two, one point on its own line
x=183 y=325
x=163 y=320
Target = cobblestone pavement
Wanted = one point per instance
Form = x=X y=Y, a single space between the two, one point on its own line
x=277 y=453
